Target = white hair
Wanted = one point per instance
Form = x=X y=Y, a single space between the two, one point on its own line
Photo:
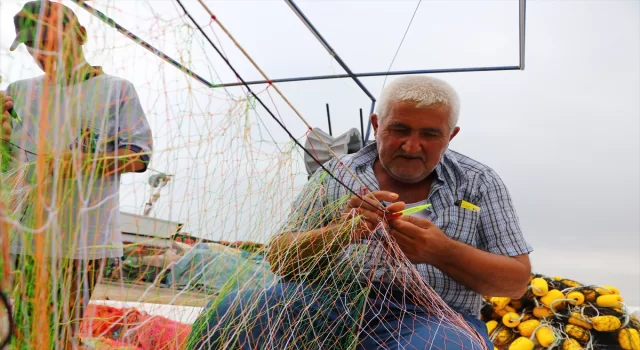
x=424 y=91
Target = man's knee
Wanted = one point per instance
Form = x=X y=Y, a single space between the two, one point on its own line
x=220 y=322
x=247 y=303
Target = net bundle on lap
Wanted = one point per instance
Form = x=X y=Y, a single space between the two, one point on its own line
x=349 y=285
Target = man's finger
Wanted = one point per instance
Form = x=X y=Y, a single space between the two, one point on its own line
x=401 y=238
x=420 y=222
x=7 y=103
x=373 y=200
x=368 y=215
x=406 y=228
x=358 y=210
x=368 y=218
x=383 y=196
x=4 y=116
x=6 y=130
x=396 y=207
x=354 y=202
x=368 y=204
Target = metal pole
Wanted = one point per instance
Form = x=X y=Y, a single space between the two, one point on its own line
x=326 y=45
x=362 y=128
x=523 y=10
x=375 y=74
x=143 y=43
x=329 y=120
x=373 y=106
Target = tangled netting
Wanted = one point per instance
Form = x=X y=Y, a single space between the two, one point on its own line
x=229 y=160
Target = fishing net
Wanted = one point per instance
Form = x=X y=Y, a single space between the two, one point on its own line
x=226 y=166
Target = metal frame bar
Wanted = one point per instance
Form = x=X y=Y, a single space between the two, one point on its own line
x=327 y=47
x=355 y=76
x=522 y=7
x=329 y=120
x=362 y=128
x=373 y=107
x=374 y=74
x=332 y=52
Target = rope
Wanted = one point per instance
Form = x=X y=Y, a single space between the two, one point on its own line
x=380 y=207
x=286 y=100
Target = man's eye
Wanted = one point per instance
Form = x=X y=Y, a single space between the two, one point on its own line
x=430 y=134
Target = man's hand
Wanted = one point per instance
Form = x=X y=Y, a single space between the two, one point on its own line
x=71 y=163
x=424 y=243
x=5 y=118
x=76 y=163
x=298 y=252
x=371 y=210
x=419 y=239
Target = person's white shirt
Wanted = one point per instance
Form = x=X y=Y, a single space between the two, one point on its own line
x=80 y=219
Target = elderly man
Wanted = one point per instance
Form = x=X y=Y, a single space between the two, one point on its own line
x=466 y=244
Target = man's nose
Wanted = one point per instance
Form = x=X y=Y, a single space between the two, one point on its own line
x=412 y=144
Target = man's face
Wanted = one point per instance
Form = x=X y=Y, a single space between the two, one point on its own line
x=54 y=44
x=412 y=140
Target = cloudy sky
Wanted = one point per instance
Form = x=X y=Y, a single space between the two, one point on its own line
x=563 y=133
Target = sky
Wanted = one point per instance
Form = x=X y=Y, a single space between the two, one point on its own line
x=563 y=133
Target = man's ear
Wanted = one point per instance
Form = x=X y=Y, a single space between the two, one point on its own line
x=82 y=35
x=455 y=132
x=374 y=123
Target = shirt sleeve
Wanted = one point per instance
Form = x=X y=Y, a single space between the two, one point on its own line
x=499 y=224
x=312 y=208
x=133 y=130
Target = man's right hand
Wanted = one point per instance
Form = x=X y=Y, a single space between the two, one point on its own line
x=372 y=211
x=5 y=118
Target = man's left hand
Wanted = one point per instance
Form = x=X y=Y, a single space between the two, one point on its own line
x=419 y=239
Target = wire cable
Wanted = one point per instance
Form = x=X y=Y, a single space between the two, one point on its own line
x=271 y=113
x=401 y=42
x=275 y=87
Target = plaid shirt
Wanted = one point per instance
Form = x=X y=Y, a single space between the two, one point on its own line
x=494 y=229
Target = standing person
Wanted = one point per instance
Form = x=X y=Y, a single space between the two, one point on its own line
x=88 y=128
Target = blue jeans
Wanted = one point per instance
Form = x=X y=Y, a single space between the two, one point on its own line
x=294 y=315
